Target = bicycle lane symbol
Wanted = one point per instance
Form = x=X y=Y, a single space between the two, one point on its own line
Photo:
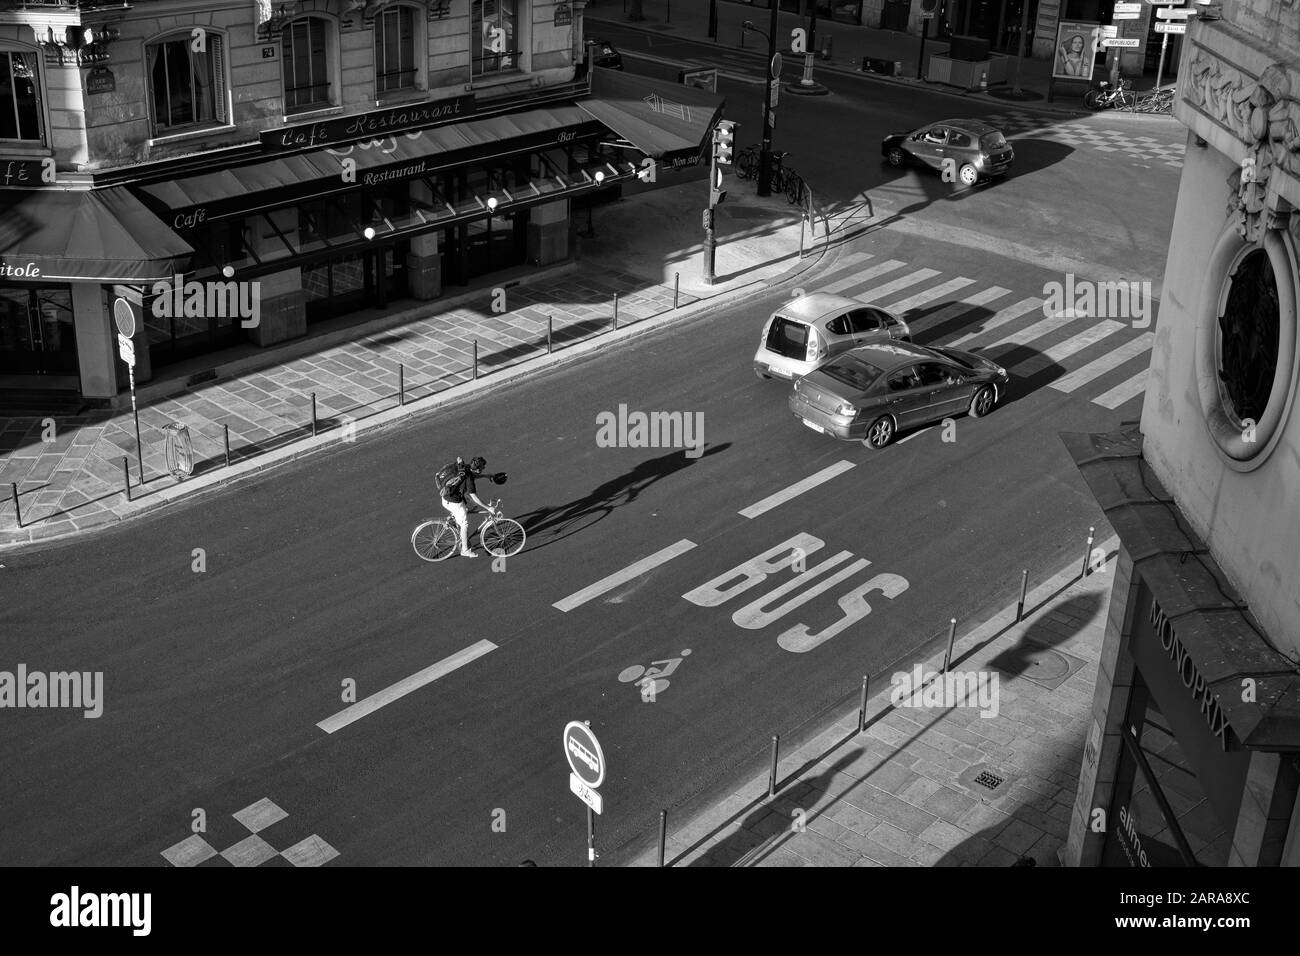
x=654 y=679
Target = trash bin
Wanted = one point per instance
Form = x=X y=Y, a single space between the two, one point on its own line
x=180 y=451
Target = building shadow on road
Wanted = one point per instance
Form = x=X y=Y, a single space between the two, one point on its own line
x=552 y=523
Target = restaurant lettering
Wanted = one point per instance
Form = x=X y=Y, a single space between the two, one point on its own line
x=29 y=271
x=1192 y=679
x=345 y=128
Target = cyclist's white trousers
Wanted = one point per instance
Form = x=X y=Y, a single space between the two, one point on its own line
x=461 y=514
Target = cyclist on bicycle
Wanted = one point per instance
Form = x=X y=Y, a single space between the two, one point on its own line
x=454 y=494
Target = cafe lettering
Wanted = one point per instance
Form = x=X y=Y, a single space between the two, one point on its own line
x=1192 y=679
x=342 y=129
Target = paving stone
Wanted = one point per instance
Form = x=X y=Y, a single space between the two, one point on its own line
x=820 y=850
x=906 y=844
x=1018 y=836
x=875 y=851
x=890 y=808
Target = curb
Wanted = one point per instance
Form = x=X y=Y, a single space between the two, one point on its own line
x=640 y=849
x=905 y=82
x=420 y=408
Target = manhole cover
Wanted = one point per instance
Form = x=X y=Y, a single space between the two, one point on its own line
x=1038 y=663
x=1043 y=664
x=990 y=781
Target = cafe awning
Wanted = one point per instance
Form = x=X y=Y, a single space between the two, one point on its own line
x=405 y=155
x=667 y=121
x=86 y=236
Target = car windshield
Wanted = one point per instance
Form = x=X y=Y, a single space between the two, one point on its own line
x=993 y=141
x=956 y=358
x=852 y=371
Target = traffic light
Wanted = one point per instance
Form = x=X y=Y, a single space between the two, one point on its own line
x=716 y=192
x=724 y=137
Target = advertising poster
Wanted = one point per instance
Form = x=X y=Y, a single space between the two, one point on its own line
x=1076 y=50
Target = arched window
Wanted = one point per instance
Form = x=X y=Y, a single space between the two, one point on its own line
x=396 y=50
x=187 y=86
x=307 y=72
x=20 y=97
x=494 y=36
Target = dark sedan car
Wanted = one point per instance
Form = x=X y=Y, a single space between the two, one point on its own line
x=874 y=392
x=604 y=54
x=978 y=151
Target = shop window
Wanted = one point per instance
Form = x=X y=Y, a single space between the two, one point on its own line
x=493 y=36
x=20 y=102
x=305 y=44
x=187 y=86
x=396 y=51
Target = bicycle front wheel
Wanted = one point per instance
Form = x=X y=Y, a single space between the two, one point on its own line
x=1092 y=99
x=503 y=538
x=747 y=166
x=435 y=540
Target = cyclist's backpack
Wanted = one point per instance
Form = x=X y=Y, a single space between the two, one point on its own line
x=449 y=478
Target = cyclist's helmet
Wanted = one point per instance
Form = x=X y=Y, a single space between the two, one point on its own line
x=477 y=464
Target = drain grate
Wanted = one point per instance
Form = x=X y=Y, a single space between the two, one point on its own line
x=989 y=781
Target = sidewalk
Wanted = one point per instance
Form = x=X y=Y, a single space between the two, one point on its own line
x=69 y=470
x=850 y=43
x=933 y=785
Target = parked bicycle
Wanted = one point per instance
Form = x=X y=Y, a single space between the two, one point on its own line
x=436 y=539
x=747 y=163
x=1106 y=96
x=1157 y=101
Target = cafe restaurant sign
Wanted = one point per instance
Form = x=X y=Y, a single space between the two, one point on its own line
x=1192 y=678
x=345 y=129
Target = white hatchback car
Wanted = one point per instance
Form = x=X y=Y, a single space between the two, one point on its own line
x=808 y=331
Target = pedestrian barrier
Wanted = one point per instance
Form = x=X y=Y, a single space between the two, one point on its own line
x=776 y=786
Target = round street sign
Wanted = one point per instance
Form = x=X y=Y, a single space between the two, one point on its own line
x=124 y=316
x=582 y=750
x=776 y=66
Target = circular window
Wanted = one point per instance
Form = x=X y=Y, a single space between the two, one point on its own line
x=1247 y=360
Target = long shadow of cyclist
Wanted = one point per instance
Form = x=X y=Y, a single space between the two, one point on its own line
x=549 y=524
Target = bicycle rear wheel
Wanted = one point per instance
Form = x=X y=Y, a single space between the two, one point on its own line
x=435 y=540
x=747 y=165
x=502 y=538
x=1092 y=100
x=794 y=188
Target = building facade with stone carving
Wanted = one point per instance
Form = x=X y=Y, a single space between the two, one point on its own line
x=344 y=155
x=1192 y=755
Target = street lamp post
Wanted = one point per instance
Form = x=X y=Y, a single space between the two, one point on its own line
x=713 y=19
x=765 y=159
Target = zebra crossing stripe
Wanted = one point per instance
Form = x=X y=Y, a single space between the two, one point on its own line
x=1009 y=314
x=957 y=309
x=1111 y=360
x=865 y=276
x=1122 y=392
x=1063 y=350
x=929 y=295
x=889 y=288
x=847 y=267
x=1029 y=333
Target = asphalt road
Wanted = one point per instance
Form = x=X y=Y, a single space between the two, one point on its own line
x=215 y=681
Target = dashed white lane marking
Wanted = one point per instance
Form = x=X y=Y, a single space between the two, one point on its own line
x=404 y=686
x=1122 y=392
x=579 y=598
x=798 y=488
x=1082 y=376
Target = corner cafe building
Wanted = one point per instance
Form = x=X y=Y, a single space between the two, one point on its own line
x=331 y=217
x=1193 y=751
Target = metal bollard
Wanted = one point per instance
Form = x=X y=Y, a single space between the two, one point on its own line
x=401 y=384
x=126 y=478
x=313 y=414
x=742 y=38
x=1087 y=554
x=827 y=41
x=952 y=634
x=677 y=287
x=669 y=17
x=226 y=429
x=18 y=512
x=771 y=780
x=663 y=834
x=550 y=333
x=476 y=360
x=862 y=707
x=1024 y=586
x=615 y=310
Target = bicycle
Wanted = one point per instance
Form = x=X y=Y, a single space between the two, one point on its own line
x=794 y=188
x=436 y=539
x=1121 y=95
x=747 y=163
x=1157 y=101
x=778 y=175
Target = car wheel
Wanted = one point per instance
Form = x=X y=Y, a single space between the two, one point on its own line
x=881 y=432
x=968 y=175
x=983 y=401
x=895 y=156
